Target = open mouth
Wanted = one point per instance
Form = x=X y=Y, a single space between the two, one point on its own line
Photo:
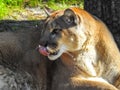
x=44 y=51
x=52 y=55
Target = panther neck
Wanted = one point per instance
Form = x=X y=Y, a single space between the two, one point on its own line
x=84 y=61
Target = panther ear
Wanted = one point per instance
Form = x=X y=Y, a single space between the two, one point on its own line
x=48 y=11
x=69 y=16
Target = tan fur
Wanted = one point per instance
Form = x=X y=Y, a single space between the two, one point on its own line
x=91 y=57
x=107 y=60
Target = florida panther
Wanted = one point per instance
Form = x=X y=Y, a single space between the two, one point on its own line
x=88 y=54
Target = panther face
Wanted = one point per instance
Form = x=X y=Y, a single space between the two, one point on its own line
x=63 y=32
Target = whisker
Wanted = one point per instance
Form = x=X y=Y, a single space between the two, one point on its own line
x=69 y=54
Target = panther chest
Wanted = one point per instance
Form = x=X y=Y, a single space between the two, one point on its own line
x=87 y=61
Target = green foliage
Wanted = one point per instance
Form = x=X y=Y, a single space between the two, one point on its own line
x=33 y=3
x=3 y=9
x=7 y=6
x=13 y=2
x=60 y=4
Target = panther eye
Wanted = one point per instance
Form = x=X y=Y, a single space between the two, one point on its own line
x=55 y=32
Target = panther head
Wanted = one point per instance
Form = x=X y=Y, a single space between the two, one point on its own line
x=63 y=32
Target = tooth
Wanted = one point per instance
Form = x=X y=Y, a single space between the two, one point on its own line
x=39 y=46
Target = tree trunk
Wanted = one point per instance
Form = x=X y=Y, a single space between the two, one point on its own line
x=109 y=12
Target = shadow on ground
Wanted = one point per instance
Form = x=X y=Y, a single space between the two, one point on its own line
x=21 y=66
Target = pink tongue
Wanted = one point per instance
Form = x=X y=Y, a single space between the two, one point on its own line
x=43 y=51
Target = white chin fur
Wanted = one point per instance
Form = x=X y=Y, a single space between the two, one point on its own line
x=61 y=51
x=54 y=57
